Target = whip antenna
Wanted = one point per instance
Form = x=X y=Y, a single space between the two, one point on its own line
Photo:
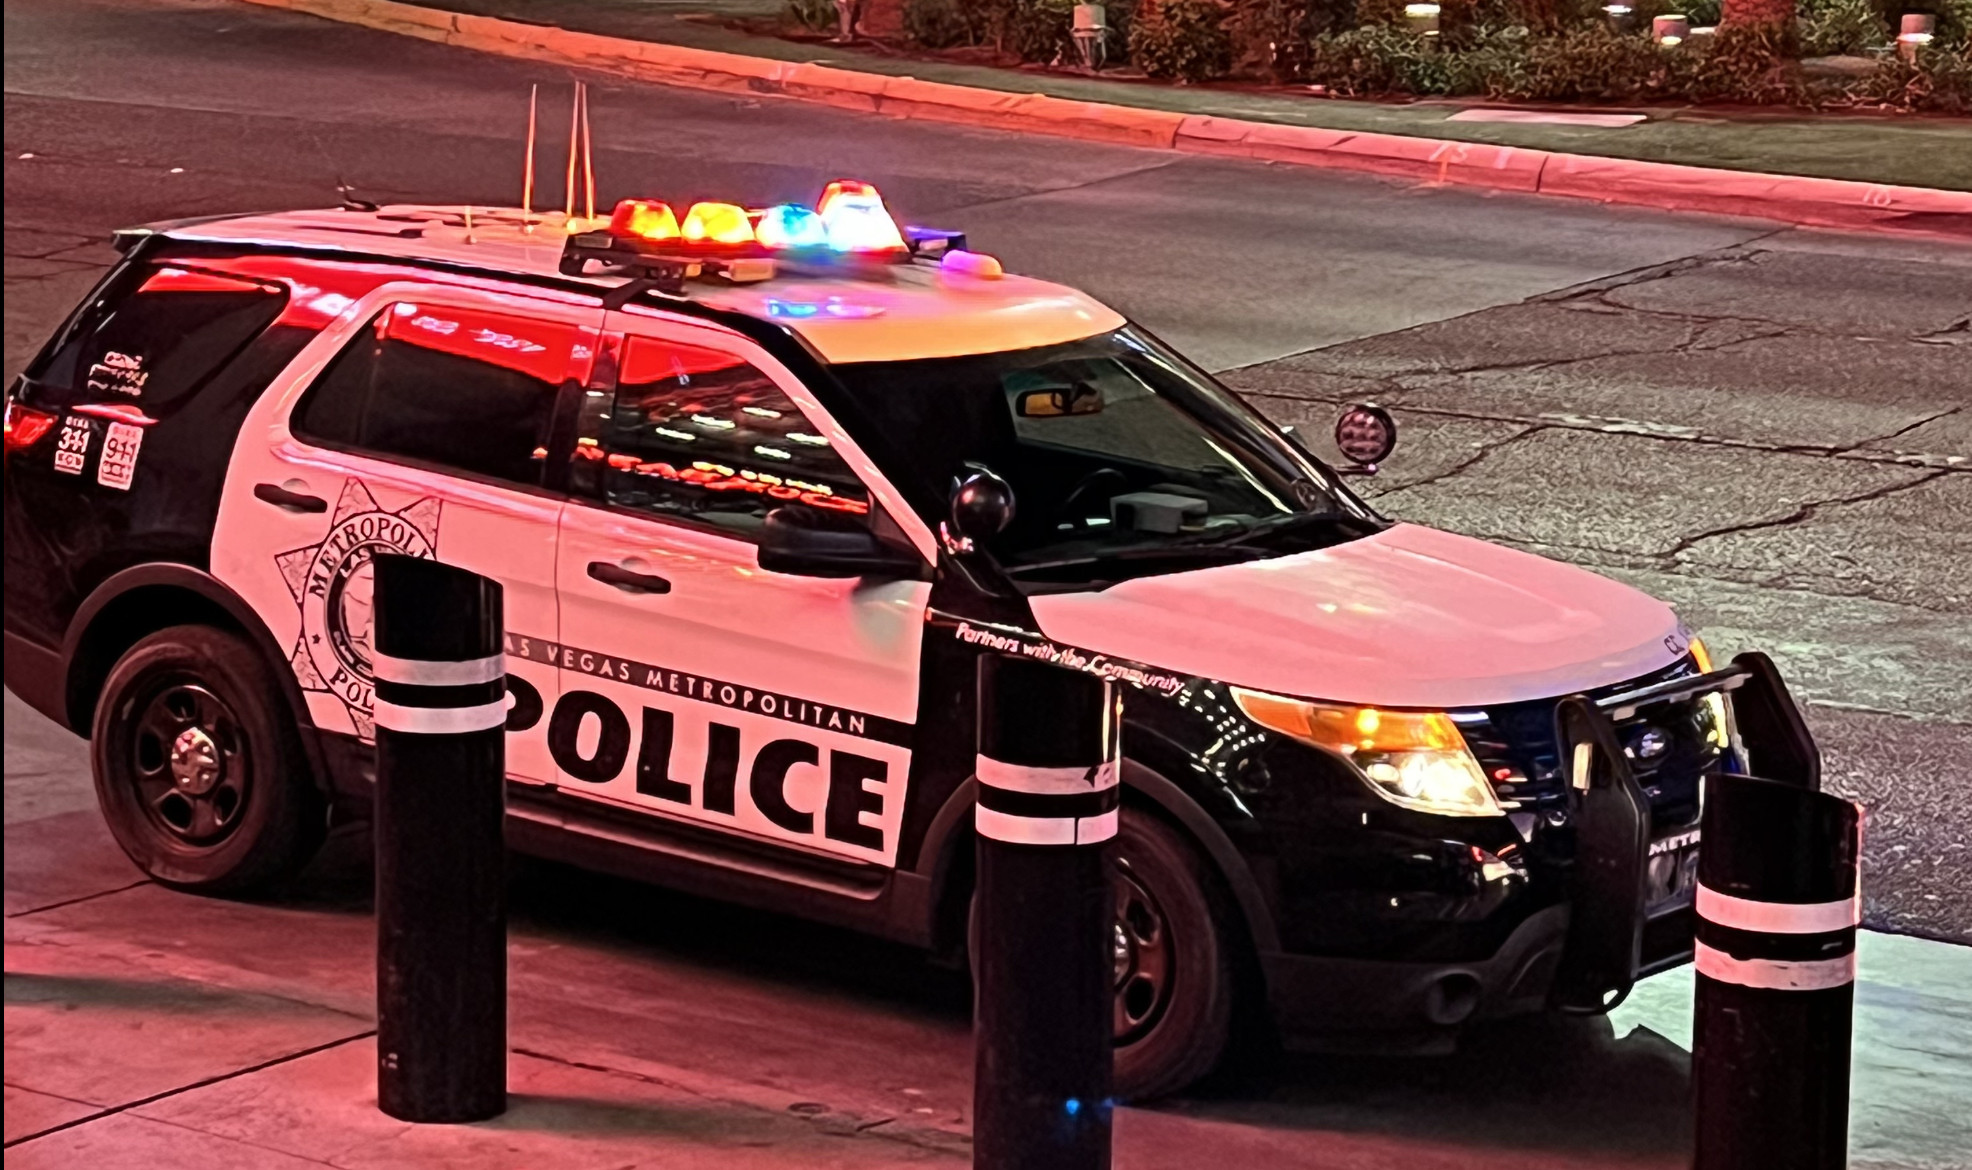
x=588 y=159
x=527 y=178
x=574 y=137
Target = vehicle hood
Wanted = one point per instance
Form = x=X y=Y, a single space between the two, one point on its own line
x=1409 y=617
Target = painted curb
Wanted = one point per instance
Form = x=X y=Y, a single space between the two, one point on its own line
x=1797 y=199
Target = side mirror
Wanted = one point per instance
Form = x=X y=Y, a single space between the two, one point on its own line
x=809 y=542
x=1365 y=435
x=982 y=507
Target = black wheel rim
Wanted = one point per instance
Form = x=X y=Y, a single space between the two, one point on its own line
x=1143 y=955
x=187 y=758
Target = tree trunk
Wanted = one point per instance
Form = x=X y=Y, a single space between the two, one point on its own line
x=883 y=20
x=1759 y=12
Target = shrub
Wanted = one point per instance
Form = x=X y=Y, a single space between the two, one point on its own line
x=1828 y=27
x=1184 y=40
x=1589 y=63
x=814 y=15
x=1032 y=30
x=937 y=24
x=1940 y=79
x=1378 y=59
x=1268 y=39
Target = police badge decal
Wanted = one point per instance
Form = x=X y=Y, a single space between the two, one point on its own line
x=331 y=583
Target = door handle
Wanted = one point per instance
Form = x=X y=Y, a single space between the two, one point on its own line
x=628 y=579
x=281 y=497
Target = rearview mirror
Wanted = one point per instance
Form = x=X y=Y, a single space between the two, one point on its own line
x=1081 y=398
x=809 y=542
x=1365 y=434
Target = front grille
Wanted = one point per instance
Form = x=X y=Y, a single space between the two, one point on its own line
x=1669 y=750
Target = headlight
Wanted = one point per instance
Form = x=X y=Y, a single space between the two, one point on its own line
x=1416 y=759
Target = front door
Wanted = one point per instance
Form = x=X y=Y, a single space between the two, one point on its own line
x=421 y=426
x=695 y=685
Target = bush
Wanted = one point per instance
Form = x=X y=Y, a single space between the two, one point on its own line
x=1032 y=30
x=1184 y=40
x=1268 y=39
x=1940 y=79
x=814 y=15
x=937 y=24
x=1829 y=27
x=1589 y=63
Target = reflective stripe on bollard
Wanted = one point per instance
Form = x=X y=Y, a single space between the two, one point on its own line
x=1778 y=903
x=1047 y=807
x=439 y=711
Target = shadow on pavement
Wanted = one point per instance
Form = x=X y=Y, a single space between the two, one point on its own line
x=1553 y=1084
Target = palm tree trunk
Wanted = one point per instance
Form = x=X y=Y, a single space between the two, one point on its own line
x=883 y=20
x=1759 y=12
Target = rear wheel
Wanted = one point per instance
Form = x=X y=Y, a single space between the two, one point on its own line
x=198 y=767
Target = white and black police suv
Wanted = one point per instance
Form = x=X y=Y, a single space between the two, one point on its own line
x=761 y=487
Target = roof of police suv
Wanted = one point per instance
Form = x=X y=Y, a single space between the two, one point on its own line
x=902 y=312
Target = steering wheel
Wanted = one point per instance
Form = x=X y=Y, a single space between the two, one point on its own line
x=1083 y=487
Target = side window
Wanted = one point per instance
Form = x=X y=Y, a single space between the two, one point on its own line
x=158 y=344
x=701 y=435
x=455 y=388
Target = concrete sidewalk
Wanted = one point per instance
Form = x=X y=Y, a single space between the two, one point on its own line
x=1912 y=150
x=146 y=1028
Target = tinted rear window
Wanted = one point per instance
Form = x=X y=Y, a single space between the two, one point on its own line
x=153 y=337
x=458 y=389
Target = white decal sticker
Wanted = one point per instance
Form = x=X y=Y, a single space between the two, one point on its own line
x=72 y=451
x=1068 y=656
x=118 y=373
x=118 y=464
x=331 y=583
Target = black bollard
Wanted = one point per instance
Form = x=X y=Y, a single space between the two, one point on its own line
x=1778 y=903
x=1043 y=947
x=440 y=845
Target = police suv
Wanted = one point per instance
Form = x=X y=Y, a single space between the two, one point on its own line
x=762 y=487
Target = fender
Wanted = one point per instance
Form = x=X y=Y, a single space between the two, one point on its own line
x=210 y=589
x=936 y=853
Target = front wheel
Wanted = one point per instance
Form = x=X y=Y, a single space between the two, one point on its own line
x=1173 y=961
x=198 y=768
x=1172 y=973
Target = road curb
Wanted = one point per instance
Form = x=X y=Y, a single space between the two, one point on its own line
x=1797 y=199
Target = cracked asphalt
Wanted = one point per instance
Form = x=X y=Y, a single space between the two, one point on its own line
x=1772 y=429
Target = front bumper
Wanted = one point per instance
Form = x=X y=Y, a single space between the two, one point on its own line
x=1317 y=1000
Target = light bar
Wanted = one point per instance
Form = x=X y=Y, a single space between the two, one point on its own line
x=717 y=223
x=857 y=220
x=791 y=226
x=646 y=219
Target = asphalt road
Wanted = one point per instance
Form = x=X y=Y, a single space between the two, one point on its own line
x=1768 y=427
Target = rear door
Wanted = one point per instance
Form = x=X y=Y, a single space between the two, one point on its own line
x=696 y=686
x=422 y=424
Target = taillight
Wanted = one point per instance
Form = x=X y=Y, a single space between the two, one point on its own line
x=26 y=426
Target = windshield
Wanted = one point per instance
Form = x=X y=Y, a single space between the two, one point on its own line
x=1124 y=459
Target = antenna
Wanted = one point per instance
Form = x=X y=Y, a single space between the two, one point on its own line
x=588 y=159
x=574 y=140
x=527 y=179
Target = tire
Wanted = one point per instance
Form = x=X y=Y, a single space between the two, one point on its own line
x=1174 y=974
x=1175 y=980
x=198 y=766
